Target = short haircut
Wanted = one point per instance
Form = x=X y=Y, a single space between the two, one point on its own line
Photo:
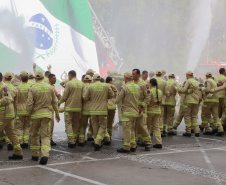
x=102 y=80
x=72 y=73
x=51 y=75
x=108 y=79
x=83 y=76
x=137 y=71
x=24 y=78
x=47 y=73
x=221 y=70
x=144 y=72
x=1 y=76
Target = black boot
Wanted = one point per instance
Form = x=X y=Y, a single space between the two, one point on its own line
x=107 y=143
x=196 y=134
x=43 y=160
x=163 y=135
x=71 y=145
x=97 y=147
x=34 y=158
x=90 y=139
x=174 y=127
x=1 y=146
x=148 y=147
x=52 y=143
x=122 y=150
x=25 y=145
x=164 y=132
x=15 y=157
x=215 y=131
x=133 y=149
x=192 y=131
x=186 y=134
x=207 y=133
x=10 y=147
x=171 y=134
x=81 y=144
x=140 y=143
x=219 y=134
x=201 y=128
x=158 y=146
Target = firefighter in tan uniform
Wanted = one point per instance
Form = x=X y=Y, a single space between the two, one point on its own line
x=111 y=107
x=98 y=93
x=7 y=119
x=151 y=75
x=210 y=105
x=154 y=112
x=41 y=100
x=144 y=77
x=180 y=114
x=191 y=104
x=129 y=95
x=52 y=81
x=22 y=126
x=141 y=129
x=85 y=113
x=73 y=107
x=8 y=77
x=170 y=103
x=162 y=85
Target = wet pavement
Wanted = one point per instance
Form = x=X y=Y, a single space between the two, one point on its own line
x=181 y=161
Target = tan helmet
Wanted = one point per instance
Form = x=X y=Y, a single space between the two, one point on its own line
x=96 y=76
x=39 y=74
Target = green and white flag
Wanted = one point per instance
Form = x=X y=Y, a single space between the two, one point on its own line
x=49 y=32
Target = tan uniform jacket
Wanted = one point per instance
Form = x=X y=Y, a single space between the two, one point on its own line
x=85 y=104
x=6 y=103
x=221 y=88
x=63 y=83
x=41 y=100
x=144 y=96
x=190 y=96
x=31 y=82
x=171 y=100
x=13 y=92
x=210 y=84
x=162 y=85
x=153 y=106
x=22 y=95
x=98 y=93
x=129 y=95
x=220 y=93
x=73 y=96
x=111 y=101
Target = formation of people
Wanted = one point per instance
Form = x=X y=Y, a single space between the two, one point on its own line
x=145 y=101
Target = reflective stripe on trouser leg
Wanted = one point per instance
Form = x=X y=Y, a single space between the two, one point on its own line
x=142 y=127
x=128 y=125
x=111 y=115
x=82 y=128
x=99 y=127
x=170 y=117
x=205 y=116
x=9 y=129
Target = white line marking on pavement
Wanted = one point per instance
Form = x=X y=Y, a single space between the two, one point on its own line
x=117 y=139
x=65 y=152
x=212 y=139
x=71 y=175
x=55 y=164
x=172 y=149
x=182 y=151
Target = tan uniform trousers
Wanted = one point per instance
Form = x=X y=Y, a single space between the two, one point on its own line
x=72 y=120
x=180 y=116
x=8 y=126
x=22 y=129
x=190 y=117
x=207 y=108
x=119 y=107
x=161 y=118
x=40 y=129
x=223 y=118
x=153 y=126
x=52 y=127
x=169 y=112
x=82 y=128
x=111 y=116
x=141 y=129
x=99 y=123
x=1 y=137
x=128 y=125
x=210 y=121
x=221 y=107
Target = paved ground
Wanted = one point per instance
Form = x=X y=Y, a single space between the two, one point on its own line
x=181 y=161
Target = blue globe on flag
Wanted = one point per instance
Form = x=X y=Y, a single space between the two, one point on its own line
x=40 y=32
